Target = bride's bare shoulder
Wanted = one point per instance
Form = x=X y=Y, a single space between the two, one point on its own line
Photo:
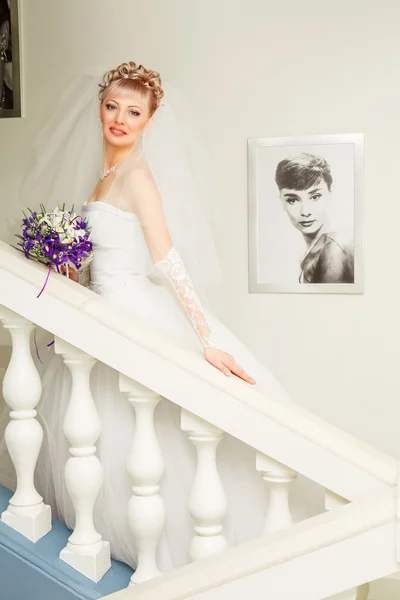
x=141 y=173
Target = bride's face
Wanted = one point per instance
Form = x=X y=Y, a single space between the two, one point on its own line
x=123 y=116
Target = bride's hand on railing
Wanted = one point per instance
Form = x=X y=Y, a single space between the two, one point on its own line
x=72 y=274
x=226 y=363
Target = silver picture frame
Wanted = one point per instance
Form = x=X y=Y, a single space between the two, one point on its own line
x=16 y=109
x=272 y=237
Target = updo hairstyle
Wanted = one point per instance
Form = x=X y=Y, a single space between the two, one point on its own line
x=132 y=78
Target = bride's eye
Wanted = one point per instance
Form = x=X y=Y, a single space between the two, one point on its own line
x=110 y=106
x=134 y=112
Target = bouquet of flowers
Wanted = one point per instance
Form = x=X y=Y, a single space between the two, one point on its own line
x=56 y=238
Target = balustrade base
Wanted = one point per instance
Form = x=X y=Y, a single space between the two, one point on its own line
x=143 y=574
x=32 y=526
x=205 y=547
x=92 y=561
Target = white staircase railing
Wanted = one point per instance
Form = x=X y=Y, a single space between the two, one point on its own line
x=312 y=560
x=287 y=441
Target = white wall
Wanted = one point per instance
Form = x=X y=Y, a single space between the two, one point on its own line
x=255 y=68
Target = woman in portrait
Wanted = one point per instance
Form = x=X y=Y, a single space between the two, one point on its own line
x=305 y=189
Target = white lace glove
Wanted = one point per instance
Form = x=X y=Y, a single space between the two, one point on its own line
x=173 y=269
x=145 y=201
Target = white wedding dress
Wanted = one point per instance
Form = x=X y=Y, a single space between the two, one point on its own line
x=68 y=157
x=119 y=272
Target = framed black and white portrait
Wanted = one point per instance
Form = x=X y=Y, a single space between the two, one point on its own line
x=306 y=214
x=10 y=80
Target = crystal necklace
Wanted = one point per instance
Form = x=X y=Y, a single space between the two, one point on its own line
x=104 y=174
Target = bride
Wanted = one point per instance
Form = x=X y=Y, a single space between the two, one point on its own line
x=148 y=231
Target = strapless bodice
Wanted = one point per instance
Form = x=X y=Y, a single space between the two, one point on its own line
x=119 y=247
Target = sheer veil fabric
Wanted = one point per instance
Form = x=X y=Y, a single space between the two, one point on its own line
x=69 y=155
x=68 y=158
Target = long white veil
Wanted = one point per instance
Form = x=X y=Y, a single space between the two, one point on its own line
x=68 y=157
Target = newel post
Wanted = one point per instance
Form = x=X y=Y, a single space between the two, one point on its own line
x=361 y=592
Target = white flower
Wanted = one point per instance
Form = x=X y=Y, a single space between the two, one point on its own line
x=57 y=220
x=66 y=240
x=70 y=231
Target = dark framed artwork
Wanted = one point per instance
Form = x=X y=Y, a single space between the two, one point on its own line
x=10 y=73
x=306 y=214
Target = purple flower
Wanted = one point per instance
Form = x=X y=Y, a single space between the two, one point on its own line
x=40 y=240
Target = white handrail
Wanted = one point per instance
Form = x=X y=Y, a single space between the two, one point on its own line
x=370 y=523
x=292 y=436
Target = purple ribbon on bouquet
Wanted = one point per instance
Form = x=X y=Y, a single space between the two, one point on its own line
x=36 y=346
x=47 y=278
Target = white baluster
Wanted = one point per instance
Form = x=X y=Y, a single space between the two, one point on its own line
x=145 y=464
x=207 y=502
x=333 y=501
x=279 y=478
x=85 y=551
x=22 y=388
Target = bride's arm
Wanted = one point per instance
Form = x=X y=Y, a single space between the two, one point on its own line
x=173 y=269
x=166 y=259
x=167 y=262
